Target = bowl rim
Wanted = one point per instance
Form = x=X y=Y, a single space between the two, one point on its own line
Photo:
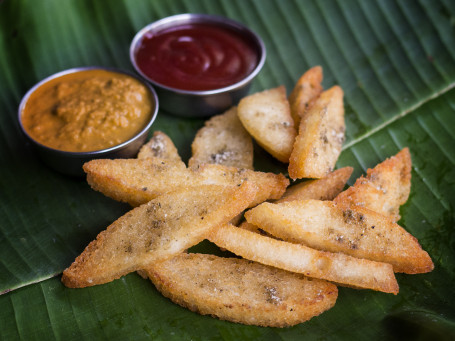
x=99 y=151
x=185 y=18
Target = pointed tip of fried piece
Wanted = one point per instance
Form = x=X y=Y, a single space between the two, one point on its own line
x=160 y=146
x=266 y=115
x=326 y=188
x=320 y=137
x=384 y=188
x=307 y=88
x=135 y=181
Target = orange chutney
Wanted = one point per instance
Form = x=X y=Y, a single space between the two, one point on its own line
x=87 y=110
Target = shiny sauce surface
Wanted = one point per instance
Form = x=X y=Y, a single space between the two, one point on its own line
x=196 y=57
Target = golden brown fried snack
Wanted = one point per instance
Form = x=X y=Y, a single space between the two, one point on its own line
x=334 y=267
x=157 y=230
x=223 y=140
x=321 y=135
x=241 y=291
x=355 y=231
x=267 y=117
x=326 y=188
x=160 y=146
x=305 y=92
x=385 y=188
x=271 y=186
x=137 y=181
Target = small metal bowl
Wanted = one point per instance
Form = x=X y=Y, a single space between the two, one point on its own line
x=188 y=103
x=70 y=163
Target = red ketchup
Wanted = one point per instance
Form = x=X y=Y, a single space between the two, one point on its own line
x=196 y=57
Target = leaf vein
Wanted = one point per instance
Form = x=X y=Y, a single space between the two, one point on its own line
x=399 y=116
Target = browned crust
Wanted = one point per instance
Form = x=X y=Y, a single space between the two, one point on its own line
x=155 y=231
x=335 y=267
x=306 y=90
x=136 y=181
x=352 y=230
x=320 y=137
x=241 y=291
x=271 y=186
x=384 y=189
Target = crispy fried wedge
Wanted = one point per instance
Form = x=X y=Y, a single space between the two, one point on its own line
x=156 y=231
x=267 y=117
x=160 y=146
x=321 y=135
x=326 y=188
x=241 y=291
x=271 y=186
x=355 y=231
x=384 y=189
x=223 y=140
x=306 y=90
x=335 y=267
x=137 y=181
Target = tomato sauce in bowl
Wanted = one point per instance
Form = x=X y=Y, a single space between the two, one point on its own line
x=196 y=56
x=199 y=64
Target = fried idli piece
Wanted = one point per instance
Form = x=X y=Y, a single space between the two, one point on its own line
x=137 y=181
x=157 y=230
x=335 y=267
x=355 y=231
x=384 y=189
x=223 y=140
x=271 y=185
x=320 y=138
x=267 y=117
x=160 y=146
x=306 y=90
x=241 y=291
x=326 y=188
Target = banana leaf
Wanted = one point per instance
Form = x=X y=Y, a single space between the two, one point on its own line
x=395 y=61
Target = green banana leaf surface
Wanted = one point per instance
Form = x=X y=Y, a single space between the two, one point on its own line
x=395 y=61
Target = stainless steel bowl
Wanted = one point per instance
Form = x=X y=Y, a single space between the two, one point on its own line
x=199 y=103
x=70 y=163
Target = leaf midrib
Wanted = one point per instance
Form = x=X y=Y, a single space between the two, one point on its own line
x=413 y=108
